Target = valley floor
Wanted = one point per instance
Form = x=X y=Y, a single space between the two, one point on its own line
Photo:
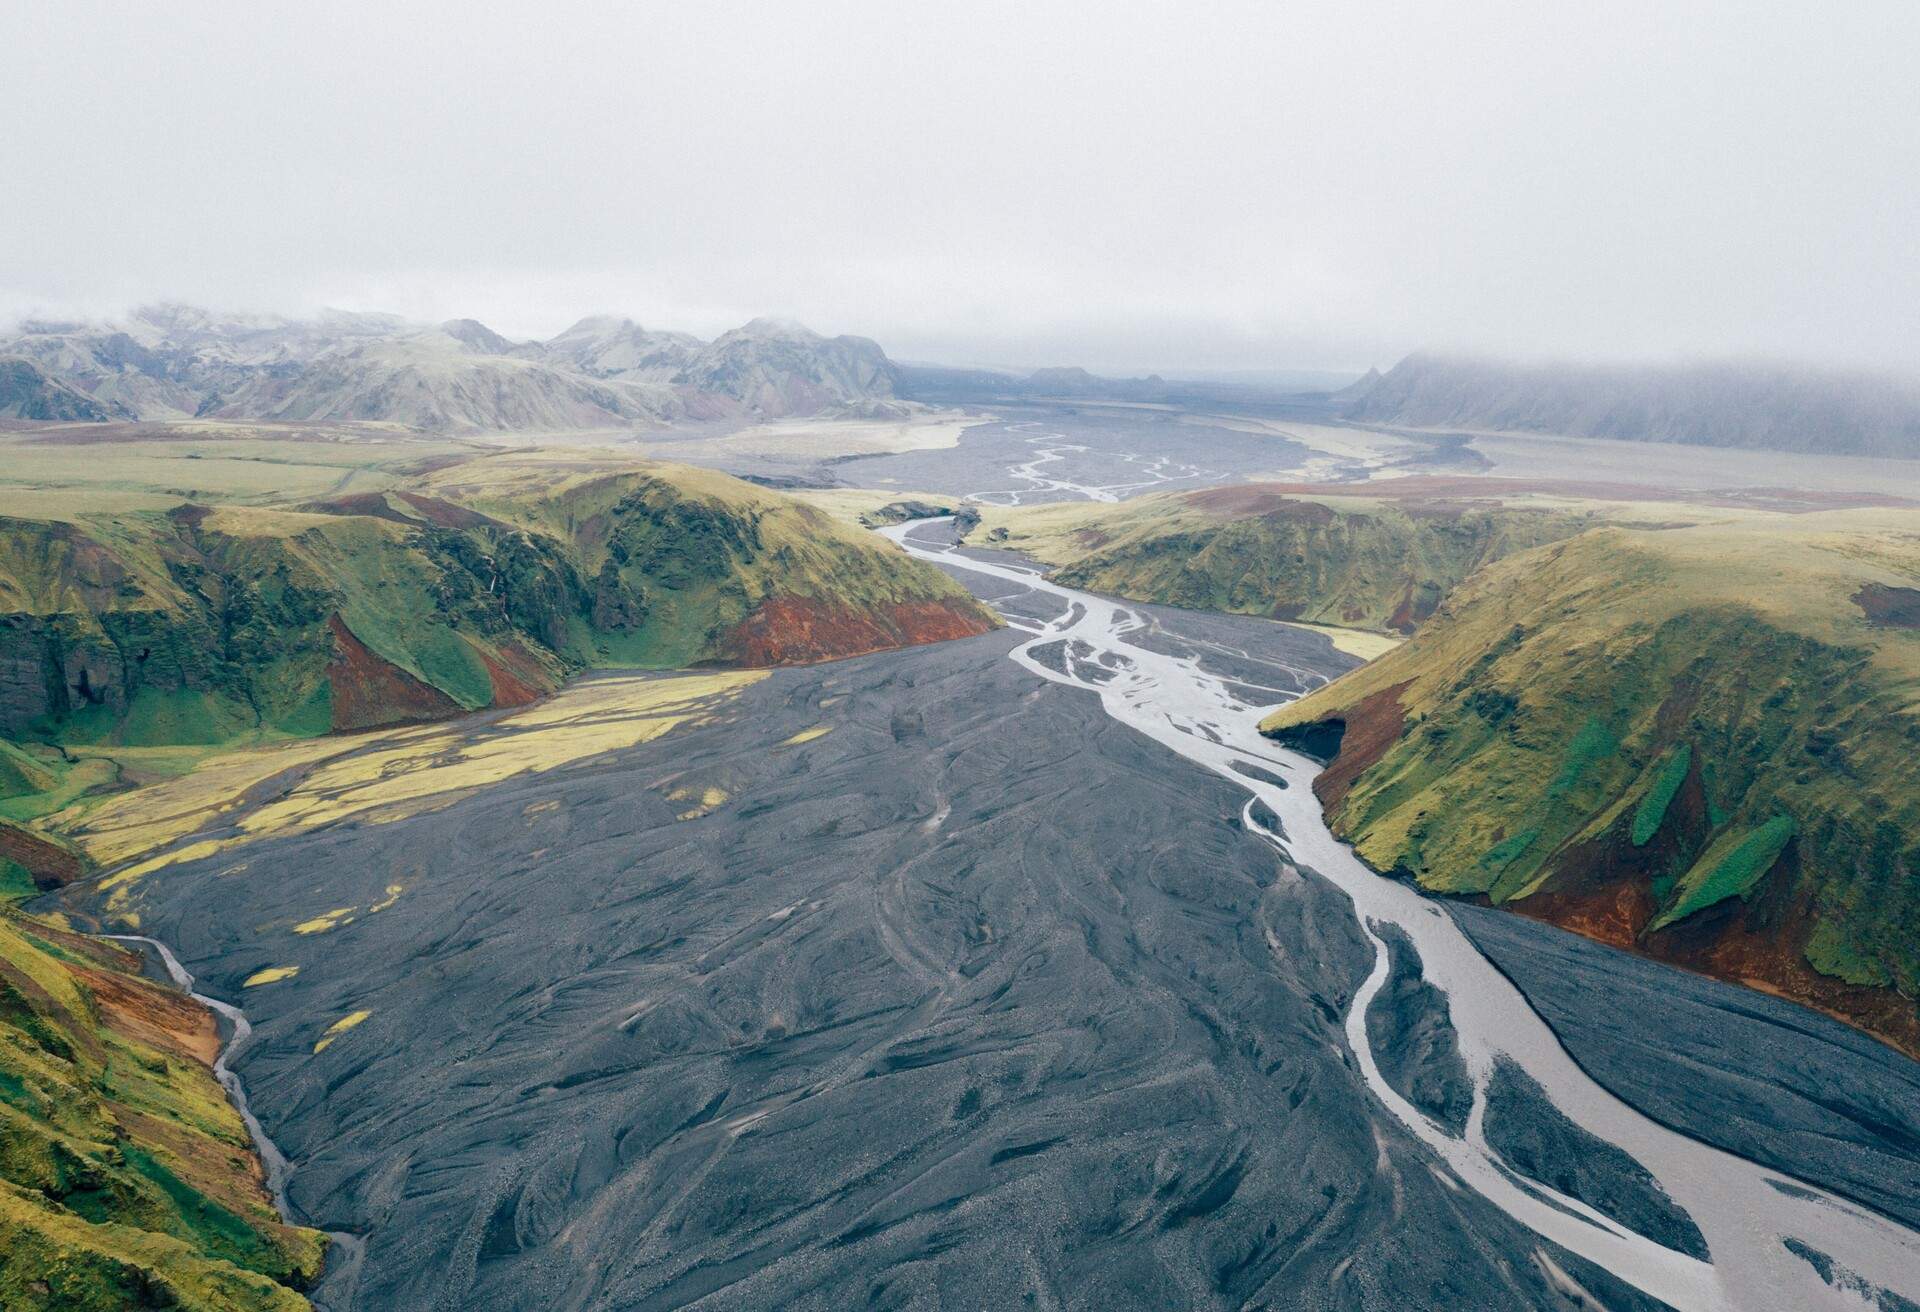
x=917 y=980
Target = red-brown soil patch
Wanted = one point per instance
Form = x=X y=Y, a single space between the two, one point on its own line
x=1889 y=607
x=1761 y=942
x=1612 y=913
x=517 y=678
x=50 y=864
x=798 y=630
x=1258 y=499
x=1451 y=494
x=444 y=513
x=1726 y=943
x=1602 y=890
x=1368 y=729
x=1415 y=607
x=156 y=1016
x=369 y=691
x=216 y=1169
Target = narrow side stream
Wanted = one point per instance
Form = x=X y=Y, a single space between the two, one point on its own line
x=344 y=1250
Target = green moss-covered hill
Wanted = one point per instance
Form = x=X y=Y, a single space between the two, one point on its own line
x=126 y=1179
x=129 y=640
x=1380 y=561
x=1701 y=742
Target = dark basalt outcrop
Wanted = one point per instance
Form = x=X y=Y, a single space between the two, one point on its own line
x=965 y=518
x=47 y=862
x=1891 y=607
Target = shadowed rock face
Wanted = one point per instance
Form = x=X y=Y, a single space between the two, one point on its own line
x=28 y=393
x=974 y=997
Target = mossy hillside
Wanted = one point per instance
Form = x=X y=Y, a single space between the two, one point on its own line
x=413 y=594
x=1562 y=702
x=1651 y=812
x=202 y=627
x=125 y=1176
x=207 y=629
x=1374 y=562
x=671 y=558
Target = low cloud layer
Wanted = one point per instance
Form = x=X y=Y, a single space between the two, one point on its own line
x=1125 y=186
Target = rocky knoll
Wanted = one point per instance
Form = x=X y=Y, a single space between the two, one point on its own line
x=26 y=392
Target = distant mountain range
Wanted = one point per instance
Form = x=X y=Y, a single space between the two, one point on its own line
x=1727 y=405
x=175 y=362
x=1765 y=407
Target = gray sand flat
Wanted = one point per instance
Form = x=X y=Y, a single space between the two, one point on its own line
x=978 y=1000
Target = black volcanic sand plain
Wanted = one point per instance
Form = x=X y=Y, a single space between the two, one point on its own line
x=1754 y=1074
x=977 y=999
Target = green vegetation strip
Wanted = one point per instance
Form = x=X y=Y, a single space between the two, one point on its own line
x=1734 y=876
x=1652 y=810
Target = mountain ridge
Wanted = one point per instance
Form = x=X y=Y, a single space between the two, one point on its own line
x=172 y=362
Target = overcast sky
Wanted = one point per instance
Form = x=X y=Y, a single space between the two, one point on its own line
x=1179 y=186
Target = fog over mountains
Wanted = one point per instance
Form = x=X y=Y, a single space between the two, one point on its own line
x=1772 y=407
x=172 y=362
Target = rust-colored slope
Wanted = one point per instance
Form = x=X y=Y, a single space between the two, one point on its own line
x=369 y=691
x=797 y=630
x=51 y=864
